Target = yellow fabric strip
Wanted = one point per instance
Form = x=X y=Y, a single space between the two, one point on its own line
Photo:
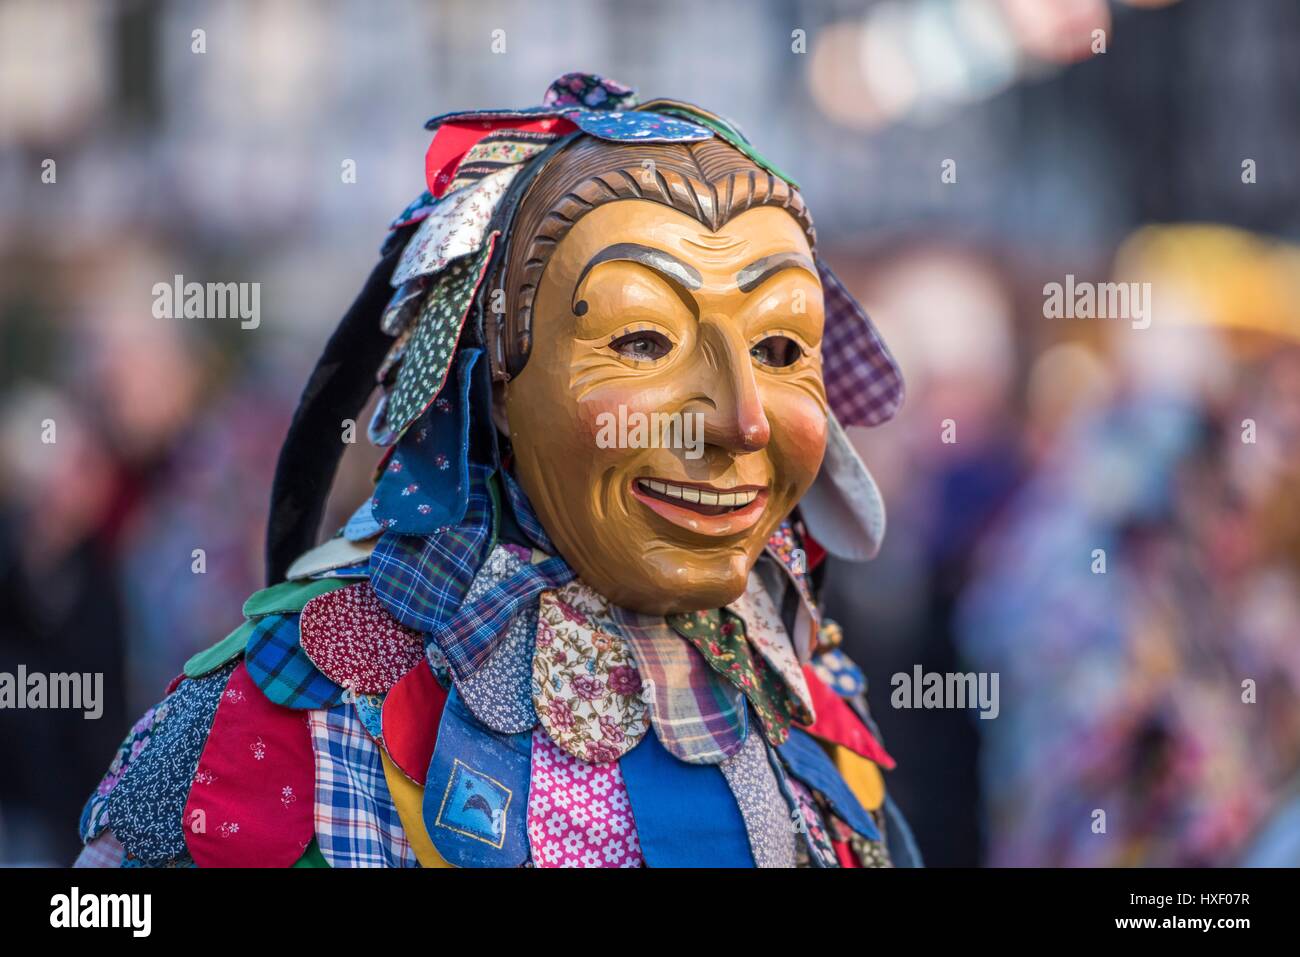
x=862 y=776
x=408 y=797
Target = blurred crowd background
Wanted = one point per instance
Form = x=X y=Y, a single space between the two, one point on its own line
x=1174 y=448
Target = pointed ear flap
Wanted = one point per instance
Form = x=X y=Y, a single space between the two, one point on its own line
x=843 y=509
x=338 y=389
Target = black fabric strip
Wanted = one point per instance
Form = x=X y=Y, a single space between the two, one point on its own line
x=338 y=389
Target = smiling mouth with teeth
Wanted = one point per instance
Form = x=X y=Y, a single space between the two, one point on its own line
x=696 y=499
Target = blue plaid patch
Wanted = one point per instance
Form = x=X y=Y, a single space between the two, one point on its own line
x=476 y=629
x=422 y=580
x=525 y=515
x=278 y=665
x=356 y=821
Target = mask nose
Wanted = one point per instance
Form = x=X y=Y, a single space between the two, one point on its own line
x=737 y=421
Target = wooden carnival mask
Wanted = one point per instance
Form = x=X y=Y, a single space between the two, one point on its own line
x=659 y=366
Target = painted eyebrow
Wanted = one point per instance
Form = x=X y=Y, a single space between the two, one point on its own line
x=759 y=271
x=666 y=265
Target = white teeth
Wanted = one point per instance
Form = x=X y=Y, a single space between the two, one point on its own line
x=690 y=494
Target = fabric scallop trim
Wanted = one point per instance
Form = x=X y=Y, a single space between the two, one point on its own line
x=476 y=795
x=330 y=556
x=586 y=687
x=500 y=692
x=579 y=814
x=355 y=643
x=251 y=801
x=287 y=598
x=767 y=814
x=94 y=817
x=839 y=724
x=146 y=809
x=764 y=630
x=411 y=714
x=697 y=716
x=357 y=824
x=282 y=670
x=228 y=648
x=408 y=798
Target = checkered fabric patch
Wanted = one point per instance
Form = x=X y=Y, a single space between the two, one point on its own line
x=698 y=716
x=356 y=821
x=863 y=382
x=476 y=629
x=422 y=579
x=278 y=665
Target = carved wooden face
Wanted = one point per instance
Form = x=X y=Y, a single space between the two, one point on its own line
x=671 y=412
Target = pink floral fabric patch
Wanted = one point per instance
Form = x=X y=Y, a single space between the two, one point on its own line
x=578 y=813
x=355 y=643
x=586 y=687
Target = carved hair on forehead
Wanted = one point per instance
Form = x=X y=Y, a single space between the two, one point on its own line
x=710 y=181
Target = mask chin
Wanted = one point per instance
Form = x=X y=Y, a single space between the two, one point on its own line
x=843 y=509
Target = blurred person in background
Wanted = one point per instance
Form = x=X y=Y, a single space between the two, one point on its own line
x=60 y=611
x=154 y=450
x=1141 y=596
x=943 y=495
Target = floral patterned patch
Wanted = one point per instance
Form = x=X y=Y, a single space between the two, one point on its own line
x=638 y=127
x=424 y=488
x=769 y=820
x=838 y=672
x=355 y=643
x=416 y=210
x=429 y=351
x=589 y=91
x=146 y=809
x=720 y=637
x=500 y=693
x=95 y=816
x=765 y=632
x=370 y=708
x=812 y=826
x=455 y=228
x=855 y=850
x=578 y=813
x=498 y=150
x=586 y=686
x=404 y=306
x=785 y=549
x=251 y=801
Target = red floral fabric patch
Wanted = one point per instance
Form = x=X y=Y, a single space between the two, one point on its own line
x=251 y=801
x=355 y=643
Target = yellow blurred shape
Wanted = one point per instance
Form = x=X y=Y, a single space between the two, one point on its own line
x=1232 y=280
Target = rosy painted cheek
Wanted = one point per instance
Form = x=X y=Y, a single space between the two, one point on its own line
x=798 y=435
x=618 y=400
x=602 y=421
